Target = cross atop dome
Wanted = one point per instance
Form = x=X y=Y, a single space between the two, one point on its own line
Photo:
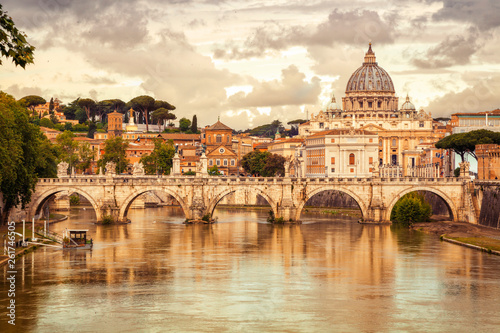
x=370 y=55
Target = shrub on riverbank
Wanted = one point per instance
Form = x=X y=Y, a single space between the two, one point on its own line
x=411 y=208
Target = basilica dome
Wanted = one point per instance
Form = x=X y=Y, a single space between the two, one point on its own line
x=407 y=105
x=370 y=77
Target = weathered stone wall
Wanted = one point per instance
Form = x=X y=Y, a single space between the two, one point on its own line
x=332 y=199
x=490 y=207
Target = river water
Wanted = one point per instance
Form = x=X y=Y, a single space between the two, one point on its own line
x=245 y=275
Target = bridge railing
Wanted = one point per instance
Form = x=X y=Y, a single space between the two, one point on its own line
x=179 y=180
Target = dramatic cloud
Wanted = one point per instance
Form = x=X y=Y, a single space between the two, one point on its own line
x=293 y=89
x=355 y=27
x=454 y=50
x=286 y=56
x=482 y=13
x=482 y=95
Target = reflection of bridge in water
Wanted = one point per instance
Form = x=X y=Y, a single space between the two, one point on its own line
x=376 y=196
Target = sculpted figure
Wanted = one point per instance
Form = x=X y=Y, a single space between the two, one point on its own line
x=138 y=169
x=111 y=168
x=62 y=169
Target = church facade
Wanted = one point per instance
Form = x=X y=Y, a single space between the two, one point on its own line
x=371 y=104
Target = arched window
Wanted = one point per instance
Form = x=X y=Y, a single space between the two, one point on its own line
x=227 y=138
x=218 y=138
x=209 y=139
x=352 y=160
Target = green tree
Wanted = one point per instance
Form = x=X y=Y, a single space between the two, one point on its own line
x=115 y=150
x=51 y=105
x=214 y=171
x=160 y=160
x=194 y=125
x=89 y=106
x=91 y=130
x=465 y=143
x=263 y=164
x=85 y=156
x=74 y=112
x=411 y=208
x=184 y=124
x=268 y=130
x=295 y=126
x=67 y=148
x=13 y=42
x=103 y=108
x=160 y=115
x=31 y=101
x=146 y=104
x=46 y=122
x=24 y=151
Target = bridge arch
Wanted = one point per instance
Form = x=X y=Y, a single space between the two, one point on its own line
x=124 y=207
x=451 y=206
x=42 y=198
x=219 y=196
x=309 y=195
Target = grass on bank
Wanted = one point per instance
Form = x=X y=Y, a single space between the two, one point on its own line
x=485 y=242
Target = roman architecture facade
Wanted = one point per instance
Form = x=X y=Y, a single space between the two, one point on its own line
x=341 y=153
x=371 y=104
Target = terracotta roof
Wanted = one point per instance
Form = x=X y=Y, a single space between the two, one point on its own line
x=219 y=126
x=180 y=136
x=190 y=158
x=344 y=131
x=46 y=129
x=494 y=112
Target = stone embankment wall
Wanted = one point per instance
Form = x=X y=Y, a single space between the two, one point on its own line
x=490 y=207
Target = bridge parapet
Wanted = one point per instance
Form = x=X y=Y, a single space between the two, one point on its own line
x=286 y=195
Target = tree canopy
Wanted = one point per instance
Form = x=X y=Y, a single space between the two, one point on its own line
x=160 y=160
x=268 y=130
x=162 y=114
x=31 y=101
x=263 y=164
x=146 y=104
x=115 y=150
x=465 y=143
x=13 y=43
x=184 y=124
x=25 y=153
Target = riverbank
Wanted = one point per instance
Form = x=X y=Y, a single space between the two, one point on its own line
x=466 y=234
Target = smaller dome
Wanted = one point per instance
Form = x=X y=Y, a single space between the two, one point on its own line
x=407 y=105
x=332 y=104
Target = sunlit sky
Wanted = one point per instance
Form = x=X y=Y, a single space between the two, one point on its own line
x=252 y=62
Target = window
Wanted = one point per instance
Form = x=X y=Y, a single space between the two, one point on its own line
x=225 y=162
x=352 y=170
x=370 y=140
x=217 y=162
x=370 y=170
x=370 y=105
x=209 y=139
x=360 y=105
x=321 y=125
x=333 y=160
x=218 y=138
x=380 y=143
x=227 y=139
x=211 y=162
x=394 y=142
x=421 y=124
x=352 y=159
x=333 y=141
x=370 y=160
x=233 y=162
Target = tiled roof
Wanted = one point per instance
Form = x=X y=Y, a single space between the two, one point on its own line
x=180 y=136
x=219 y=126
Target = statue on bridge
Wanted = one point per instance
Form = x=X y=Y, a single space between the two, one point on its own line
x=110 y=169
x=138 y=169
x=62 y=169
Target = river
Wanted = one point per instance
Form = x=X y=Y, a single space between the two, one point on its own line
x=245 y=275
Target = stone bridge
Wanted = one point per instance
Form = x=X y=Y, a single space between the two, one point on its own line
x=376 y=196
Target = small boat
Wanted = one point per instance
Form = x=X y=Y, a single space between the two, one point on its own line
x=77 y=239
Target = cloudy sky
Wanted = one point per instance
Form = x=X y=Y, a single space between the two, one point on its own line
x=251 y=62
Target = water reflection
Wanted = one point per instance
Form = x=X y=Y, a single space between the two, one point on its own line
x=243 y=274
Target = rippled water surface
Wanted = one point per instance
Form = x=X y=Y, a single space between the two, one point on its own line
x=242 y=274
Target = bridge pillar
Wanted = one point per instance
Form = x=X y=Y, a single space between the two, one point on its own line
x=376 y=210
x=286 y=208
